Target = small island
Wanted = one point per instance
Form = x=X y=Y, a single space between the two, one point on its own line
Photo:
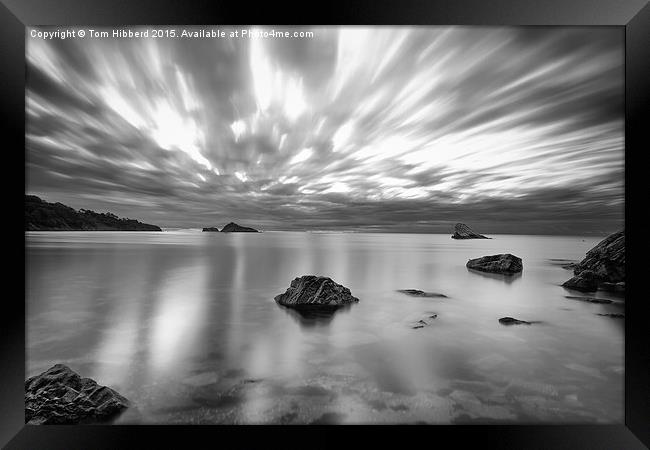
x=462 y=231
x=44 y=216
x=211 y=229
x=232 y=227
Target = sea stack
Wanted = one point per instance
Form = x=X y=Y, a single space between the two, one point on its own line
x=232 y=227
x=60 y=396
x=602 y=268
x=315 y=291
x=505 y=264
x=462 y=231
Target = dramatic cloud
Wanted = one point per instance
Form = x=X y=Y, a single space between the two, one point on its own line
x=378 y=129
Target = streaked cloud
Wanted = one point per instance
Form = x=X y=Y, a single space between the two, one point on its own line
x=382 y=129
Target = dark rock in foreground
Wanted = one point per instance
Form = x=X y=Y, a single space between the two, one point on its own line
x=505 y=264
x=234 y=228
x=604 y=301
x=419 y=293
x=214 y=229
x=462 y=231
x=613 y=315
x=43 y=216
x=61 y=396
x=315 y=291
x=603 y=266
x=511 y=321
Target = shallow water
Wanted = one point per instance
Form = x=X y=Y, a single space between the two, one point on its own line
x=184 y=324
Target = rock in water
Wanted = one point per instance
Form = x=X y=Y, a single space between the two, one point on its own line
x=462 y=231
x=603 y=266
x=585 y=281
x=211 y=229
x=315 y=291
x=603 y=301
x=60 y=396
x=234 y=228
x=511 y=321
x=615 y=316
x=419 y=293
x=505 y=264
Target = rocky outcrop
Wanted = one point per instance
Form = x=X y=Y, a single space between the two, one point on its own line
x=60 y=396
x=419 y=293
x=585 y=281
x=603 y=266
x=315 y=291
x=505 y=264
x=213 y=229
x=43 y=216
x=462 y=231
x=234 y=228
x=511 y=321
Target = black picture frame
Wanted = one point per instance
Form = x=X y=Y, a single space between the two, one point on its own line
x=633 y=15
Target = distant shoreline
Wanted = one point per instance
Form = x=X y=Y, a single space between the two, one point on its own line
x=198 y=230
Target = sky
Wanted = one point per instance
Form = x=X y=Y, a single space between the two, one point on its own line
x=382 y=129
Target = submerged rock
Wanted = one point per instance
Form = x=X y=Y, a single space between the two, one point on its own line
x=419 y=293
x=603 y=266
x=564 y=263
x=60 y=396
x=604 y=301
x=315 y=291
x=512 y=321
x=422 y=323
x=613 y=287
x=505 y=264
x=234 y=228
x=462 y=231
x=215 y=229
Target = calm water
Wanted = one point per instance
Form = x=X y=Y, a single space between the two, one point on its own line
x=184 y=324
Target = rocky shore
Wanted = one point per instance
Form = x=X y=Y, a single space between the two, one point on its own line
x=602 y=268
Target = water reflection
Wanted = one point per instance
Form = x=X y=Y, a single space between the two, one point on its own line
x=312 y=316
x=496 y=276
x=185 y=326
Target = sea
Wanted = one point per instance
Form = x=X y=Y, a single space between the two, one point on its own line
x=184 y=324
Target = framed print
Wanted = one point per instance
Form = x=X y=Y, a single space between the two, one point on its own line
x=405 y=221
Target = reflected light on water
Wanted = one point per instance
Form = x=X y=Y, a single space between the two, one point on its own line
x=185 y=325
x=177 y=318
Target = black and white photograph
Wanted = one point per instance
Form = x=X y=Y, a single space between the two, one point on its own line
x=342 y=225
